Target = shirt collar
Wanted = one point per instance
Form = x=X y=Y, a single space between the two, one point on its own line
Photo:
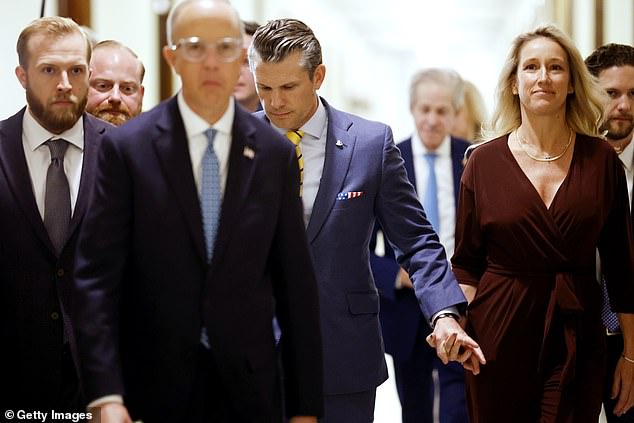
x=315 y=125
x=36 y=135
x=627 y=156
x=419 y=149
x=195 y=125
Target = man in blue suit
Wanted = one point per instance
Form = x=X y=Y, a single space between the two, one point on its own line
x=48 y=153
x=352 y=175
x=435 y=100
x=194 y=241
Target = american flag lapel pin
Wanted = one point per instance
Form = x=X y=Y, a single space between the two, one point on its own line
x=347 y=195
x=248 y=152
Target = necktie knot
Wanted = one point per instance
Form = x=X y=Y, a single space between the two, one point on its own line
x=211 y=135
x=295 y=136
x=58 y=148
x=431 y=157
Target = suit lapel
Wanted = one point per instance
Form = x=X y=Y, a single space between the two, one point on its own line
x=93 y=132
x=336 y=164
x=239 y=179
x=172 y=150
x=13 y=163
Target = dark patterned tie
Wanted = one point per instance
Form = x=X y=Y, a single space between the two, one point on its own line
x=609 y=318
x=57 y=209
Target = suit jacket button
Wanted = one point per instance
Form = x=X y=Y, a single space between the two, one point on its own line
x=54 y=315
x=60 y=273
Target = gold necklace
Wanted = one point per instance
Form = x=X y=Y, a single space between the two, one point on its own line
x=548 y=158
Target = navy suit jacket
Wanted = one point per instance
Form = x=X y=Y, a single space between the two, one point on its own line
x=146 y=289
x=35 y=285
x=401 y=317
x=361 y=157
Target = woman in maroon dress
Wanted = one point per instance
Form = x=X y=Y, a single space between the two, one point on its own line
x=535 y=204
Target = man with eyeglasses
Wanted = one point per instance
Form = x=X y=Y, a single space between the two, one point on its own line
x=116 y=78
x=193 y=241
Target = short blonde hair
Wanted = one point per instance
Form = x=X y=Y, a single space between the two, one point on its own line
x=584 y=107
x=51 y=26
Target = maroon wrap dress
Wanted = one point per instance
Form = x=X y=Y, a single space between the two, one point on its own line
x=536 y=313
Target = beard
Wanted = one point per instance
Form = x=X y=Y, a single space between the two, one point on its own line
x=53 y=120
x=116 y=115
x=617 y=132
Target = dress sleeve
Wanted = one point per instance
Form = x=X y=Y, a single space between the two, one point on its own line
x=469 y=259
x=616 y=242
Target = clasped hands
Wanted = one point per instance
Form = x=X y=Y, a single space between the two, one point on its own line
x=453 y=344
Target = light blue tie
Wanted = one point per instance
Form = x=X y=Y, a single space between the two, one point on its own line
x=430 y=201
x=210 y=204
x=210 y=193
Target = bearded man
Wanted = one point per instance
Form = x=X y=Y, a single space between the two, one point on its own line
x=48 y=152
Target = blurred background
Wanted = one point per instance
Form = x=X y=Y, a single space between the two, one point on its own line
x=371 y=47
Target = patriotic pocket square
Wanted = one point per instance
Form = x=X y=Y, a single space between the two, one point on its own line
x=347 y=195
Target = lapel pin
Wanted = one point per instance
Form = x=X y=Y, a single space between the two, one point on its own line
x=339 y=144
x=248 y=152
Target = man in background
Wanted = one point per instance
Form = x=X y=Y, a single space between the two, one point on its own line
x=352 y=175
x=116 y=83
x=48 y=153
x=433 y=159
x=613 y=65
x=245 y=91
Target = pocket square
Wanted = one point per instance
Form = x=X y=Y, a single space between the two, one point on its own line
x=248 y=152
x=347 y=195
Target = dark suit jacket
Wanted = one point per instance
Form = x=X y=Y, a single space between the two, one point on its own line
x=339 y=232
x=35 y=285
x=401 y=317
x=146 y=288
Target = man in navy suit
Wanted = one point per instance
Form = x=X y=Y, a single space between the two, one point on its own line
x=435 y=100
x=175 y=307
x=352 y=175
x=613 y=65
x=37 y=251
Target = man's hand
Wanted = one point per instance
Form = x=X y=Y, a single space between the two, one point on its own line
x=303 y=419
x=404 y=280
x=623 y=386
x=112 y=412
x=453 y=344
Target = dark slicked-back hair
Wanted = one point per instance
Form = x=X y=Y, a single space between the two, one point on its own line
x=250 y=27
x=278 y=39
x=608 y=56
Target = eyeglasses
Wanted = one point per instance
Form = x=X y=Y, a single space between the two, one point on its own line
x=195 y=50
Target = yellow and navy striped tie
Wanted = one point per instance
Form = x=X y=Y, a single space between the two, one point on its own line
x=296 y=137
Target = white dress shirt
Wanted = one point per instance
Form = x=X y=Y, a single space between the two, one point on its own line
x=195 y=127
x=627 y=158
x=313 y=147
x=444 y=183
x=38 y=157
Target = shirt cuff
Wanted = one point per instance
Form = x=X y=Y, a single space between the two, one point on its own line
x=105 y=400
x=449 y=310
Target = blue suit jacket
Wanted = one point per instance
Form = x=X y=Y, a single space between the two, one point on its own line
x=35 y=284
x=146 y=289
x=339 y=233
x=400 y=312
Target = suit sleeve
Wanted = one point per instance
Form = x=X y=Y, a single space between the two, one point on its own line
x=102 y=249
x=385 y=269
x=295 y=290
x=416 y=245
x=616 y=242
